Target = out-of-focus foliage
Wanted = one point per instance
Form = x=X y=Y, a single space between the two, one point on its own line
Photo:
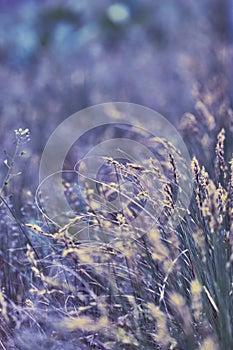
x=58 y=57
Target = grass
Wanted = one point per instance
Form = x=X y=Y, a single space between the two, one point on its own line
x=134 y=279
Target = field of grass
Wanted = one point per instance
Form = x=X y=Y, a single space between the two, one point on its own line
x=142 y=257
x=150 y=283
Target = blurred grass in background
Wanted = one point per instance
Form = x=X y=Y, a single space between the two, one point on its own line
x=58 y=57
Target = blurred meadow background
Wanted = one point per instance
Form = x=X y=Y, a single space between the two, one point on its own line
x=58 y=57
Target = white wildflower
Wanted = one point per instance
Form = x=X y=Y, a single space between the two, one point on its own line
x=22 y=135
